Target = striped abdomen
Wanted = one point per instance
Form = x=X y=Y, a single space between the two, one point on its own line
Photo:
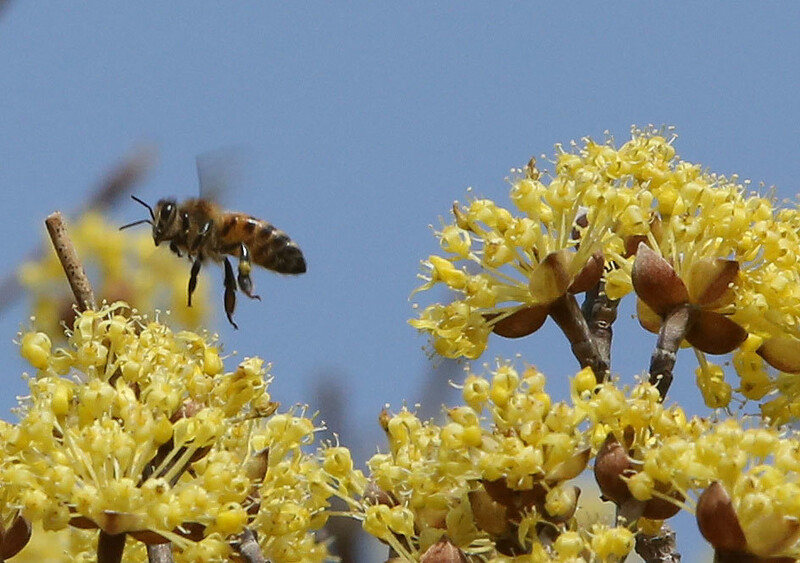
x=269 y=246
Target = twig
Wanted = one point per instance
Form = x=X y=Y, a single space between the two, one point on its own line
x=159 y=553
x=110 y=547
x=567 y=315
x=76 y=275
x=660 y=548
x=600 y=313
x=248 y=547
x=670 y=336
x=123 y=176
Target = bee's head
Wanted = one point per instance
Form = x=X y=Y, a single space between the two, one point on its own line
x=165 y=220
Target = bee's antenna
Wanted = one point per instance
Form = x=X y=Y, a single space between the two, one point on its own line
x=150 y=209
x=136 y=223
x=150 y=221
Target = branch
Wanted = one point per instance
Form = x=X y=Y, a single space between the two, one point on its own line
x=248 y=547
x=159 y=553
x=670 y=336
x=76 y=275
x=600 y=313
x=570 y=320
x=660 y=548
x=123 y=176
x=110 y=547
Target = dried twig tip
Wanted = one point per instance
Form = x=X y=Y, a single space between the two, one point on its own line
x=76 y=275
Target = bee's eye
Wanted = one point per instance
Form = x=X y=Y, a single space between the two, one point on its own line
x=167 y=212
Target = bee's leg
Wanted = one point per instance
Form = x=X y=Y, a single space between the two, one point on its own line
x=245 y=283
x=193 y=277
x=174 y=248
x=201 y=236
x=230 y=292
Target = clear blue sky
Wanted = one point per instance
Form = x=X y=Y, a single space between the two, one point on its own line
x=362 y=122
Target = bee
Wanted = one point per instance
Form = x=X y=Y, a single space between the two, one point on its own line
x=201 y=230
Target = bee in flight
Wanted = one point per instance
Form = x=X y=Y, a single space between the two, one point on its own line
x=201 y=230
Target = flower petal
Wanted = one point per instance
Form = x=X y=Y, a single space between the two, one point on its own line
x=632 y=244
x=658 y=508
x=610 y=466
x=443 y=551
x=490 y=515
x=656 y=282
x=782 y=352
x=709 y=281
x=714 y=333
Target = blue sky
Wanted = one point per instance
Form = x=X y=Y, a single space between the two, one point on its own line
x=361 y=123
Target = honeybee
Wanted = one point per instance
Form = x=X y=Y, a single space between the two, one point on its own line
x=201 y=230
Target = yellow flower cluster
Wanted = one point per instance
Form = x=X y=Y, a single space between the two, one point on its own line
x=123 y=265
x=753 y=476
x=552 y=246
x=654 y=458
x=494 y=479
x=133 y=428
x=631 y=218
x=627 y=426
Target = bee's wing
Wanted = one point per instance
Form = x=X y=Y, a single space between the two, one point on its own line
x=219 y=172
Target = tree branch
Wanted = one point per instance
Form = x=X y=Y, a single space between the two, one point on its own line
x=670 y=336
x=159 y=553
x=567 y=315
x=600 y=313
x=110 y=547
x=660 y=548
x=248 y=547
x=76 y=275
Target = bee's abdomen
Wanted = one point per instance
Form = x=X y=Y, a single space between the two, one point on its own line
x=273 y=249
x=269 y=247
